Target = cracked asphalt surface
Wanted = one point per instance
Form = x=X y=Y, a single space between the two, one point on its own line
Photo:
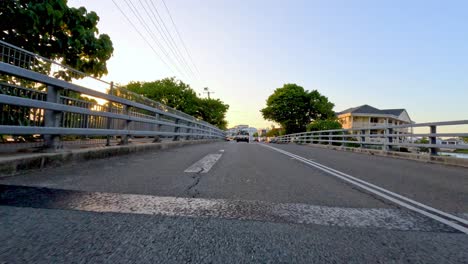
x=249 y=185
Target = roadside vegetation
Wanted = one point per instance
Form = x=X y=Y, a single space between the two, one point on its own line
x=60 y=33
x=179 y=95
x=298 y=110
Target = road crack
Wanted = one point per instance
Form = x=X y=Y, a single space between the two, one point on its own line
x=191 y=189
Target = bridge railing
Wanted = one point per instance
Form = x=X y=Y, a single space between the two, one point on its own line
x=41 y=106
x=387 y=138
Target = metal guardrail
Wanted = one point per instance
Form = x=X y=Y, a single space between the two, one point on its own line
x=42 y=104
x=384 y=137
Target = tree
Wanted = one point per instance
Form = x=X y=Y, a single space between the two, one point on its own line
x=275 y=132
x=255 y=134
x=58 y=32
x=213 y=111
x=179 y=95
x=320 y=107
x=54 y=31
x=465 y=139
x=327 y=124
x=294 y=108
x=168 y=91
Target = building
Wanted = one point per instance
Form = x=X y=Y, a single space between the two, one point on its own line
x=263 y=131
x=233 y=131
x=451 y=141
x=366 y=116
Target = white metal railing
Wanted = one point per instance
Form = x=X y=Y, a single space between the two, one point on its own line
x=389 y=139
x=41 y=104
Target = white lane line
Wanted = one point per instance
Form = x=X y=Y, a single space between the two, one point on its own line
x=295 y=213
x=204 y=165
x=381 y=192
x=453 y=217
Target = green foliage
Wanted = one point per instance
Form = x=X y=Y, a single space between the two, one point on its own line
x=178 y=95
x=352 y=145
x=465 y=139
x=423 y=140
x=213 y=111
x=275 y=132
x=294 y=108
x=170 y=92
x=327 y=124
x=58 y=32
x=255 y=134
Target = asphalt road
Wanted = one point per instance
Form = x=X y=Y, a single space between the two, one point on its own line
x=233 y=203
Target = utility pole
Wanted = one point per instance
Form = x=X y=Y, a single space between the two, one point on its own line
x=207 y=91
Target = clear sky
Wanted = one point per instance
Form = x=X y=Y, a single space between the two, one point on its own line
x=388 y=54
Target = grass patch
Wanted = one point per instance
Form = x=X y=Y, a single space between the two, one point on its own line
x=461 y=151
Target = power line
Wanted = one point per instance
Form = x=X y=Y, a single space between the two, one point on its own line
x=152 y=36
x=142 y=36
x=167 y=33
x=178 y=34
x=165 y=37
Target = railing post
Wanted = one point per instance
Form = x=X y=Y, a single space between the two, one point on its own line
x=330 y=138
x=189 y=131
x=109 y=120
x=176 y=130
x=52 y=118
x=197 y=131
x=433 y=140
x=157 y=138
x=126 y=111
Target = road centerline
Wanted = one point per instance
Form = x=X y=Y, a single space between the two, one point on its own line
x=204 y=165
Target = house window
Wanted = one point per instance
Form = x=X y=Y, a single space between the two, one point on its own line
x=374 y=120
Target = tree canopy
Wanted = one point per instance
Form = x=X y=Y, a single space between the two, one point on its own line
x=213 y=111
x=58 y=32
x=179 y=95
x=328 y=124
x=170 y=92
x=274 y=132
x=294 y=108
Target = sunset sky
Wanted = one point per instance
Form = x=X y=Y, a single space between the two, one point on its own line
x=388 y=54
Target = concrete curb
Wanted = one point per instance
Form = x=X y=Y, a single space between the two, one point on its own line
x=10 y=166
x=401 y=155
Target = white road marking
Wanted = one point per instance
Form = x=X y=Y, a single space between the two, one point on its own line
x=221 y=150
x=204 y=165
x=294 y=213
x=384 y=193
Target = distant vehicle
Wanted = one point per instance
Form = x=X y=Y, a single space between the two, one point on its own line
x=242 y=136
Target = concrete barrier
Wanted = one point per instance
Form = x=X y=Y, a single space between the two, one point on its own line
x=445 y=160
x=10 y=166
